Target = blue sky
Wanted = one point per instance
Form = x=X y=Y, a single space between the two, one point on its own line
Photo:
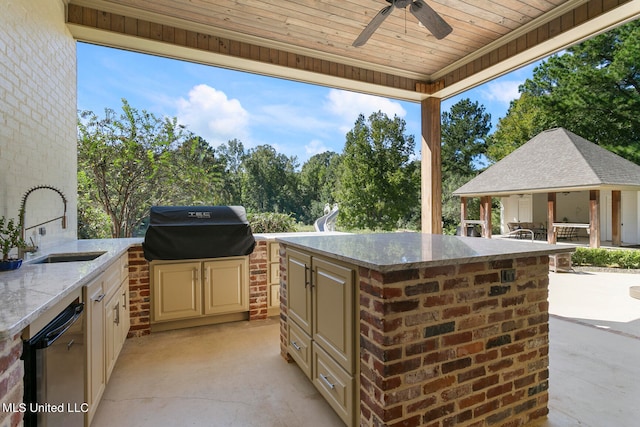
x=297 y=119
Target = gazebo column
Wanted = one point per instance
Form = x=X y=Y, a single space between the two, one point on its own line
x=594 y=218
x=616 y=218
x=485 y=216
x=463 y=216
x=551 y=217
x=431 y=167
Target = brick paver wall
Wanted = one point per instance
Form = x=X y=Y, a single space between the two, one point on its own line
x=139 y=293
x=452 y=345
x=11 y=386
x=258 y=281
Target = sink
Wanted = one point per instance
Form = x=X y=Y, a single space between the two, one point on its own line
x=70 y=257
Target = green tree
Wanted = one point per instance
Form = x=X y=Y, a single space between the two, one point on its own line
x=318 y=181
x=93 y=222
x=269 y=181
x=464 y=131
x=516 y=128
x=198 y=174
x=464 y=134
x=377 y=185
x=231 y=155
x=125 y=158
x=592 y=89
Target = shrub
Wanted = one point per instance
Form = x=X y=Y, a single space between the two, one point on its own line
x=271 y=222
x=598 y=257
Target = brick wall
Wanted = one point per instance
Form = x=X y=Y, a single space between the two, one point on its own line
x=258 y=281
x=451 y=345
x=139 y=293
x=11 y=373
x=38 y=114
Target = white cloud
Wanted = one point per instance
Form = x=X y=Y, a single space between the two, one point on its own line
x=291 y=116
x=315 y=147
x=348 y=105
x=502 y=91
x=210 y=114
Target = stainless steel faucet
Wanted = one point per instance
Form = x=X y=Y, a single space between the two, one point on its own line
x=33 y=247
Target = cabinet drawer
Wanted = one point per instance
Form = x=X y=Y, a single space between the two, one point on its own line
x=299 y=348
x=334 y=384
x=274 y=274
x=112 y=279
x=124 y=266
x=274 y=252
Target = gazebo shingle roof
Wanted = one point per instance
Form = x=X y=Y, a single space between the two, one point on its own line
x=555 y=159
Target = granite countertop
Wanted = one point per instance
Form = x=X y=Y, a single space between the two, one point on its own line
x=31 y=290
x=400 y=251
x=275 y=236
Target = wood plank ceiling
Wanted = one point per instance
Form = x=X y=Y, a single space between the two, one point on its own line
x=312 y=40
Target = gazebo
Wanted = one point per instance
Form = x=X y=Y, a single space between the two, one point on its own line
x=560 y=180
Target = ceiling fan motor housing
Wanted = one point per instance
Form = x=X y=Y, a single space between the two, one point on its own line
x=400 y=3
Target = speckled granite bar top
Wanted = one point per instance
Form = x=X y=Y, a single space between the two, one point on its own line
x=28 y=292
x=401 y=251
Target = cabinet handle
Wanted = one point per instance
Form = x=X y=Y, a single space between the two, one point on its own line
x=98 y=298
x=116 y=308
x=295 y=345
x=326 y=380
x=307 y=282
x=124 y=300
x=195 y=274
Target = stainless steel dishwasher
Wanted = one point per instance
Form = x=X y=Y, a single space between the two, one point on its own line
x=54 y=362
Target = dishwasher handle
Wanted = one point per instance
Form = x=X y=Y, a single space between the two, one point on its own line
x=68 y=317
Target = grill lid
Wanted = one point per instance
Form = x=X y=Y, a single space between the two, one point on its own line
x=192 y=232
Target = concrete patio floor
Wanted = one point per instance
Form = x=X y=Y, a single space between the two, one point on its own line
x=233 y=375
x=594 y=374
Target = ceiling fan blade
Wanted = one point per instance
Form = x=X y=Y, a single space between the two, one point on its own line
x=372 y=26
x=430 y=19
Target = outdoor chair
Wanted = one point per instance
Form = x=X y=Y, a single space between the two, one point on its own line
x=566 y=233
x=519 y=231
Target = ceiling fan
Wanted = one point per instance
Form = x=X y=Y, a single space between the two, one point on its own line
x=425 y=14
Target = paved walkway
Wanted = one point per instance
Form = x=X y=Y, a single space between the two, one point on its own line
x=598 y=299
x=594 y=374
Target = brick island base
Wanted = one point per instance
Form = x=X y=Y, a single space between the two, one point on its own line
x=451 y=345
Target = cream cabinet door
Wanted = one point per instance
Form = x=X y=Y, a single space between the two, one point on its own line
x=112 y=334
x=226 y=286
x=333 y=311
x=177 y=291
x=96 y=374
x=299 y=289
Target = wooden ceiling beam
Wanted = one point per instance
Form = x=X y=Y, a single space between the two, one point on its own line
x=143 y=29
